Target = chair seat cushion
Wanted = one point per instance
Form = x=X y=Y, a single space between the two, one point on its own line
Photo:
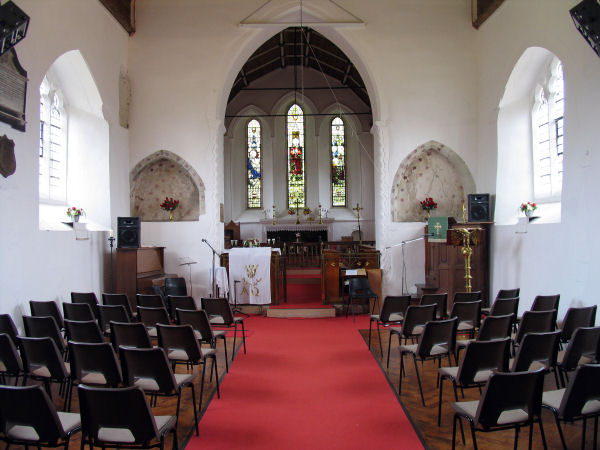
x=22 y=432
x=184 y=378
x=93 y=378
x=207 y=352
x=462 y=343
x=116 y=435
x=219 y=333
x=69 y=421
x=164 y=423
x=147 y=384
x=465 y=325
x=469 y=409
x=583 y=360
x=452 y=373
x=178 y=354
x=396 y=317
x=553 y=398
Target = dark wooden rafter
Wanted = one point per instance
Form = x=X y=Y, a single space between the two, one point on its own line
x=482 y=10
x=282 y=49
x=123 y=11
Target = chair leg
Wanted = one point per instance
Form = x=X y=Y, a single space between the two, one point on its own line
x=370 y=326
x=545 y=444
x=217 y=375
x=419 y=379
x=194 y=405
x=530 y=435
x=440 y=401
x=583 y=433
x=202 y=387
x=454 y=432
x=560 y=432
x=401 y=370
x=516 y=438
x=473 y=434
x=595 y=432
x=244 y=337
x=175 y=443
x=226 y=357
x=379 y=336
x=178 y=404
x=234 y=338
x=389 y=347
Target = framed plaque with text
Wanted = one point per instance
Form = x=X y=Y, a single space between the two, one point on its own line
x=13 y=90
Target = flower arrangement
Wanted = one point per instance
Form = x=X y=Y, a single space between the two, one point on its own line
x=528 y=208
x=169 y=204
x=251 y=242
x=428 y=204
x=73 y=212
x=291 y=212
x=307 y=211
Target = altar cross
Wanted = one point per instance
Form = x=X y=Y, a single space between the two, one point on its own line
x=358 y=209
x=438 y=227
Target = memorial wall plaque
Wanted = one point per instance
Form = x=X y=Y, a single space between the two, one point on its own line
x=13 y=89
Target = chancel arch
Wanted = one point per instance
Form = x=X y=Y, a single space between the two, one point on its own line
x=431 y=170
x=165 y=174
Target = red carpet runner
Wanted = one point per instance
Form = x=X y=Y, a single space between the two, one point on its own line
x=305 y=383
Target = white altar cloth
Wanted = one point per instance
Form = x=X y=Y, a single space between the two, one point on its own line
x=252 y=267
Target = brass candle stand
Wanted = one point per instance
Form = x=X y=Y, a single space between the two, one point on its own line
x=467 y=237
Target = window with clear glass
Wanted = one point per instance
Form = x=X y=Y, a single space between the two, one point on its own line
x=53 y=148
x=295 y=145
x=338 y=163
x=254 y=166
x=548 y=135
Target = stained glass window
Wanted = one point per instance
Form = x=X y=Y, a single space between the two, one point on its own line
x=338 y=163
x=254 y=165
x=295 y=138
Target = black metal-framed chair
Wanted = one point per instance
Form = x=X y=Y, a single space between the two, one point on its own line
x=83 y=331
x=509 y=400
x=149 y=369
x=175 y=287
x=86 y=297
x=202 y=329
x=392 y=312
x=94 y=364
x=111 y=313
x=119 y=300
x=220 y=315
x=492 y=327
x=414 y=322
x=47 y=308
x=149 y=301
x=11 y=364
x=78 y=311
x=581 y=349
x=126 y=334
x=534 y=322
x=460 y=297
x=121 y=417
x=576 y=318
x=152 y=316
x=469 y=316
x=537 y=350
x=45 y=326
x=181 y=302
x=359 y=289
x=28 y=417
x=437 y=340
x=7 y=326
x=578 y=401
x=441 y=302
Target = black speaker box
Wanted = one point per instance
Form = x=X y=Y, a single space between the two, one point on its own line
x=586 y=17
x=128 y=232
x=479 y=207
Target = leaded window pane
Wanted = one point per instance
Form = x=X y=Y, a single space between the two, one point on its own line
x=254 y=158
x=338 y=163
x=295 y=146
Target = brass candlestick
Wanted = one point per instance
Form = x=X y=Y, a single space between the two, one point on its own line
x=468 y=237
x=320 y=214
x=297 y=213
x=274 y=216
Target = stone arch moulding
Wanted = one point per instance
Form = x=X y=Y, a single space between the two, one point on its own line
x=163 y=174
x=430 y=170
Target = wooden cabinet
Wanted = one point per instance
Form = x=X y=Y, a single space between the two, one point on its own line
x=445 y=265
x=136 y=268
x=335 y=264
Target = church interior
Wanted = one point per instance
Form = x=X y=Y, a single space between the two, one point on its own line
x=325 y=142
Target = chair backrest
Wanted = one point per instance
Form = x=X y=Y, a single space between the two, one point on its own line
x=123 y=409
x=174 y=338
x=181 y=302
x=584 y=342
x=417 y=315
x=495 y=327
x=582 y=388
x=536 y=347
x=506 y=391
x=117 y=300
x=508 y=293
x=95 y=363
x=149 y=301
x=114 y=313
x=218 y=310
x=199 y=322
x=42 y=352
x=535 y=322
x=545 y=302
x=175 y=286
x=7 y=326
x=143 y=364
x=505 y=305
x=360 y=287
x=46 y=308
x=125 y=334
x=393 y=304
x=151 y=316
x=460 y=297
x=29 y=406
x=83 y=331
x=576 y=318
x=441 y=302
x=78 y=311
x=483 y=355
x=467 y=312
x=44 y=326
x=85 y=297
x=437 y=333
x=9 y=356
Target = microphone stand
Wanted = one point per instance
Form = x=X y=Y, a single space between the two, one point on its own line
x=403 y=244
x=189 y=264
x=215 y=253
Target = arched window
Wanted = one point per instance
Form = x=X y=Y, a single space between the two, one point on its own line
x=547 y=130
x=338 y=163
x=254 y=166
x=295 y=143
x=53 y=145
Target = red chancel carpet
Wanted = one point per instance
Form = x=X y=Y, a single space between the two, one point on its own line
x=305 y=383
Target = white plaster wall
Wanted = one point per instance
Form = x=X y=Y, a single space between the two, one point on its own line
x=549 y=258
x=46 y=265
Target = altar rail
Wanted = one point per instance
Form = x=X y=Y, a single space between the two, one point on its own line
x=309 y=254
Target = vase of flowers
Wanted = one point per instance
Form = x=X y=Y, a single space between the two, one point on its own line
x=251 y=243
x=170 y=205
x=74 y=213
x=427 y=205
x=528 y=208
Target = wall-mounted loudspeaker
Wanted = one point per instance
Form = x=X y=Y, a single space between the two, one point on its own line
x=586 y=17
x=479 y=207
x=128 y=232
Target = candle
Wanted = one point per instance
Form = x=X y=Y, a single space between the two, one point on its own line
x=111 y=233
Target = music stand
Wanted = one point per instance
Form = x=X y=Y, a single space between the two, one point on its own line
x=235 y=306
x=189 y=264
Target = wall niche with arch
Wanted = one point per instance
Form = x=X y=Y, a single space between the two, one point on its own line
x=430 y=170
x=164 y=174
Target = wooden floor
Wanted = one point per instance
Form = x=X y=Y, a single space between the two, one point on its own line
x=424 y=418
